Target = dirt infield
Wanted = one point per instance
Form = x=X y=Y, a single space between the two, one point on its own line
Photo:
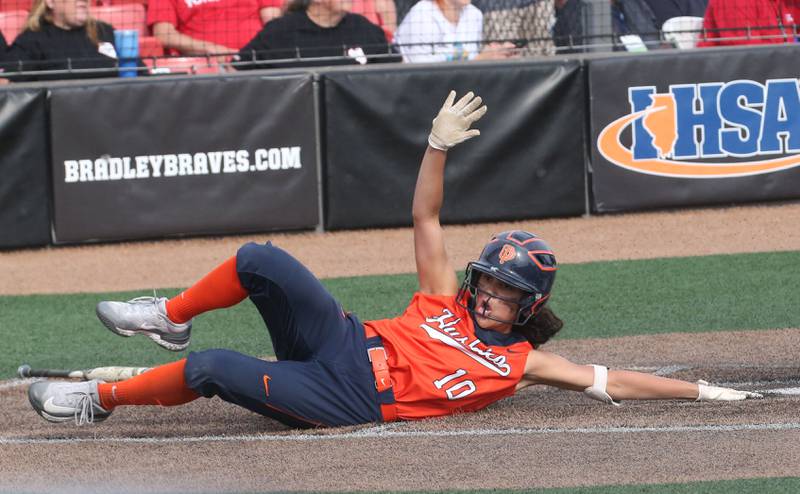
x=178 y=263
x=539 y=438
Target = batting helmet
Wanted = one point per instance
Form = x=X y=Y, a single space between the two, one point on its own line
x=519 y=259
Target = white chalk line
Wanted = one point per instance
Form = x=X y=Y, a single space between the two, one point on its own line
x=384 y=432
x=783 y=391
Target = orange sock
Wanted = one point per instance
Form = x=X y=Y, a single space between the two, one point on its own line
x=218 y=289
x=163 y=385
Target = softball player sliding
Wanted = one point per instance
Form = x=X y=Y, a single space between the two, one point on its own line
x=454 y=349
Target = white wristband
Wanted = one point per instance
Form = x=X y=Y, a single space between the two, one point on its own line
x=597 y=391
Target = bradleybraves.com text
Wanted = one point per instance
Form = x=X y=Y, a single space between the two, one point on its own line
x=107 y=168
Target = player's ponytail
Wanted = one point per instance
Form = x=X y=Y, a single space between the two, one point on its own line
x=541 y=327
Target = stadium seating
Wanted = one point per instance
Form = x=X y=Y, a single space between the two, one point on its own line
x=12 y=23
x=9 y=5
x=126 y=16
x=367 y=9
x=122 y=2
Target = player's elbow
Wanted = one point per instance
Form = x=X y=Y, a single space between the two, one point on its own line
x=425 y=218
x=165 y=32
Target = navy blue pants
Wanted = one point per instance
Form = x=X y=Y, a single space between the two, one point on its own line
x=323 y=376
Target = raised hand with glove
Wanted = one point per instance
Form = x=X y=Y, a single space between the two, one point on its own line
x=452 y=125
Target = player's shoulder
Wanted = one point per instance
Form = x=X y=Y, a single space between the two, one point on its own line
x=105 y=31
x=360 y=24
x=288 y=22
x=25 y=37
x=433 y=299
x=472 y=12
x=357 y=19
x=422 y=8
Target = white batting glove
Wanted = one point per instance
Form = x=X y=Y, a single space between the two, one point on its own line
x=451 y=125
x=715 y=393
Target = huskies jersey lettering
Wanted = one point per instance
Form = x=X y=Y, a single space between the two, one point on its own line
x=453 y=370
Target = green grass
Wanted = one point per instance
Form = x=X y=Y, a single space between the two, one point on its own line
x=602 y=299
x=694 y=294
x=788 y=485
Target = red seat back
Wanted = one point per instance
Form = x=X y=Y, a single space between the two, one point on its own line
x=12 y=23
x=6 y=5
x=124 y=16
x=123 y=2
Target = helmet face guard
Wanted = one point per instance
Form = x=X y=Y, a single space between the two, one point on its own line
x=520 y=260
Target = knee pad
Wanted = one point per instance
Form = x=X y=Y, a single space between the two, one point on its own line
x=251 y=260
x=253 y=254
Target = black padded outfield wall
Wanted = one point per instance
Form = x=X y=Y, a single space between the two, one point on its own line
x=695 y=128
x=184 y=156
x=24 y=192
x=528 y=161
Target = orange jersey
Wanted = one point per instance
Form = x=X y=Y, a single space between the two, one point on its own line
x=439 y=366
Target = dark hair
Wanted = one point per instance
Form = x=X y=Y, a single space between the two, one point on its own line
x=541 y=327
x=298 y=5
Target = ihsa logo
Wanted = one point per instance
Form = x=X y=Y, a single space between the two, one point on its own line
x=672 y=133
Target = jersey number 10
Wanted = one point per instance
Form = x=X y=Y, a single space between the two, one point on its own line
x=458 y=389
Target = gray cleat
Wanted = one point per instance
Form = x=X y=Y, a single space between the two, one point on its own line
x=65 y=401
x=147 y=316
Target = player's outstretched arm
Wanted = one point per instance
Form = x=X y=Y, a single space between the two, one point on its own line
x=450 y=127
x=611 y=386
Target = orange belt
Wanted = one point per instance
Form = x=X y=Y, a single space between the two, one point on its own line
x=383 y=382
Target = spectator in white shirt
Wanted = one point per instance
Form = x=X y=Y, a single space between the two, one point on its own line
x=445 y=30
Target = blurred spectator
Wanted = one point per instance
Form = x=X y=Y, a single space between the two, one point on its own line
x=751 y=21
x=568 y=31
x=60 y=34
x=402 y=7
x=201 y=27
x=380 y=12
x=317 y=29
x=3 y=51
x=667 y=9
x=445 y=30
x=628 y=17
x=526 y=22
x=635 y=17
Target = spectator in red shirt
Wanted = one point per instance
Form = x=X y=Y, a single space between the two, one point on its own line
x=768 y=21
x=201 y=27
